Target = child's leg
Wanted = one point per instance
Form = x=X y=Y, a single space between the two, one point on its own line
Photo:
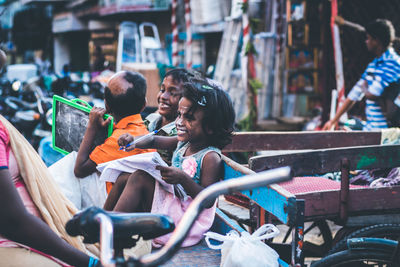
x=116 y=191
x=137 y=195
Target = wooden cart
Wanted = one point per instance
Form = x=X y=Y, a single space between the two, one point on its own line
x=341 y=151
x=346 y=205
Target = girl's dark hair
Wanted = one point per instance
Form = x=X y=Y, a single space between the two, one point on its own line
x=132 y=101
x=219 y=115
x=181 y=75
x=383 y=30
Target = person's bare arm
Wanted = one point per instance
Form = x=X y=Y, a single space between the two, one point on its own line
x=157 y=142
x=347 y=104
x=84 y=166
x=18 y=225
x=342 y=22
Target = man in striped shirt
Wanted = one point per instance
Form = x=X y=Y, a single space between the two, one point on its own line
x=379 y=74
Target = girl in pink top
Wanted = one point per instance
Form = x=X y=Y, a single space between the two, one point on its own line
x=20 y=221
x=204 y=126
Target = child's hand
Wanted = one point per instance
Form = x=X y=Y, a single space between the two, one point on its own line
x=124 y=140
x=171 y=175
x=96 y=118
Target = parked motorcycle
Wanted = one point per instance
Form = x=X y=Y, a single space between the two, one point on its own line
x=28 y=109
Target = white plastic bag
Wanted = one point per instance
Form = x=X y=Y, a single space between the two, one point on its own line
x=83 y=192
x=245 y=249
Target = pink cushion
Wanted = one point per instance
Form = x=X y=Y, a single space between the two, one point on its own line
x=300 y=185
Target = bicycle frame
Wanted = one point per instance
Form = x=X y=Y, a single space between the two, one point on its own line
x=202 y=200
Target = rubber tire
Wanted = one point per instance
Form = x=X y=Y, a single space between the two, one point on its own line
x=349 y=258
x=378 y=230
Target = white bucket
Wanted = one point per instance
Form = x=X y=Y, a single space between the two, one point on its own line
x=206 y=11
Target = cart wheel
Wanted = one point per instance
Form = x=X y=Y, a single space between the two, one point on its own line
x=389 y=231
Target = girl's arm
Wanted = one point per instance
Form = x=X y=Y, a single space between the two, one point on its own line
x=211 y=171
x=18 y=225
x=157 y=142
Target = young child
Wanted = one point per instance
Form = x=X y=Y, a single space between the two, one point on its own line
x=204 y=126
x=168 y=98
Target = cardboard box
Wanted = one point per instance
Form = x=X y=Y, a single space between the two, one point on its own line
x=151 y=73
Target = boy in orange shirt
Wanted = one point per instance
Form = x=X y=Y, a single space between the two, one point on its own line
x=125 y=98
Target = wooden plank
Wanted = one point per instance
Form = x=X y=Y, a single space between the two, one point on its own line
x=259 y=141
x=228 y=223
x=234 y=211
x=273 y=199
x=328 y=160
x=281 y=206
x=197 y=255
x=368 y=200
x=325 y=204
x=357 y=221
x=234 y=169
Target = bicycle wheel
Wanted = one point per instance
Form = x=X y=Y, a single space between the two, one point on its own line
x=389 y=231
x=356 y=258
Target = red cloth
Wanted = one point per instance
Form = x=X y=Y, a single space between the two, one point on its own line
x=4 y=147
x=301 y=185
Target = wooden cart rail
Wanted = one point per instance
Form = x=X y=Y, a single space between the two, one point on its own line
x=259 y=141
x=328 y=160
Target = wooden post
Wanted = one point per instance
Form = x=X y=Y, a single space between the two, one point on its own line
x=344 y=190
x=298 y=235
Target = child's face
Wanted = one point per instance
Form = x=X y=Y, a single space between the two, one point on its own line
x=168 y=98
x=189 y=124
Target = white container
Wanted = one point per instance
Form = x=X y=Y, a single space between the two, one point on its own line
x=21 y=72
x=207 y=11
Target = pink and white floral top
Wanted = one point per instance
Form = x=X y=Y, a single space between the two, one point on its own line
x=168 y=204
x=191 y=164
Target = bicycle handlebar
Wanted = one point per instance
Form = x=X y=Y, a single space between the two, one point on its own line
x=202 y=200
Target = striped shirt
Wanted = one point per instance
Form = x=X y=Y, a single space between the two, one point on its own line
x=379 y=74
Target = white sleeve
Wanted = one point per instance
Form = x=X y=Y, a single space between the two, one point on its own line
x=356 y=93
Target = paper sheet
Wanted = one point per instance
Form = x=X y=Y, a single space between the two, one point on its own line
x=146 y=162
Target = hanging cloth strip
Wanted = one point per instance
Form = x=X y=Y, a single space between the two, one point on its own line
x=54 y=207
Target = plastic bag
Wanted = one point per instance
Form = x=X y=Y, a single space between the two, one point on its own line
x=83 y=192
x=245 y=249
